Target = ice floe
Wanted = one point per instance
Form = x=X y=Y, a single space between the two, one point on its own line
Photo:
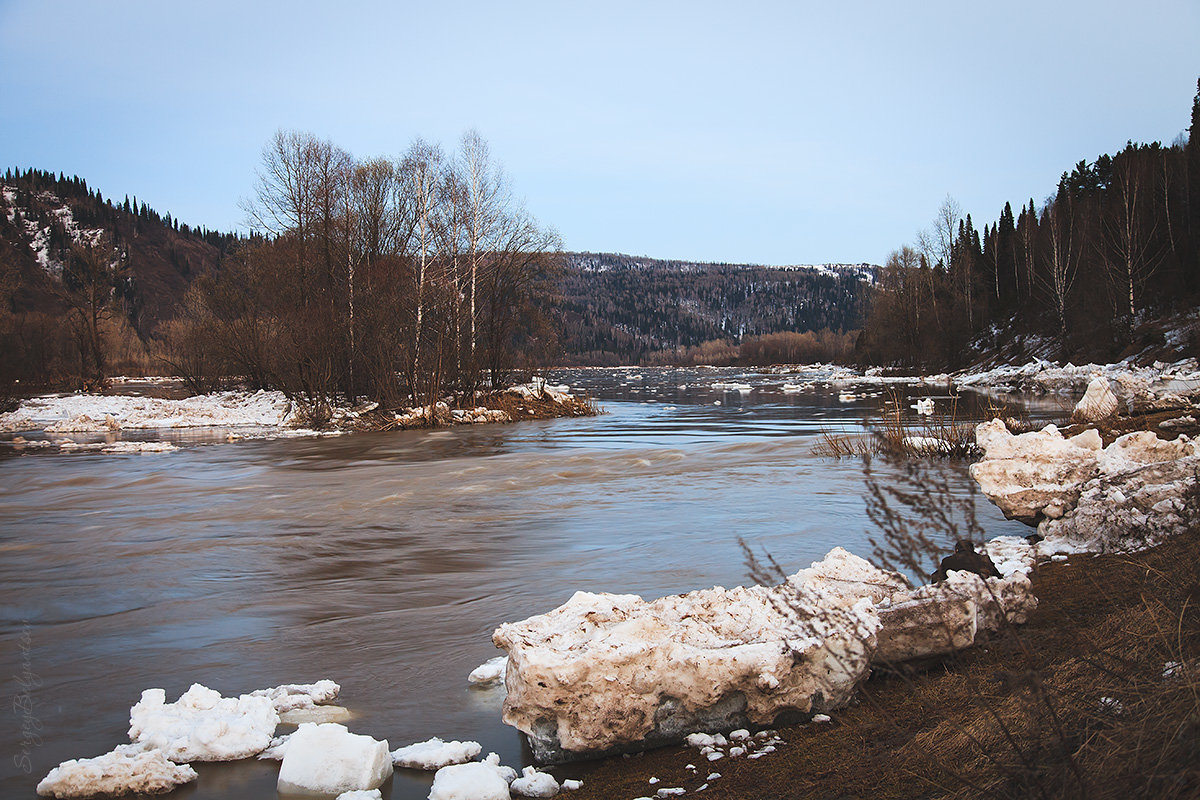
x=434 y=754
x=490 y=671
x=533 y=783
x=203 y=726
x=128 y=769
x=1088 y=498
x=325 y=758
x=475 y=781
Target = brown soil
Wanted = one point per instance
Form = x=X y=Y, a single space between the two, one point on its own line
x=520 y=408
x=1019 y=716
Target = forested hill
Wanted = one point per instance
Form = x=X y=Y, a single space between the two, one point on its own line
x=621 y=309
x=45 y=218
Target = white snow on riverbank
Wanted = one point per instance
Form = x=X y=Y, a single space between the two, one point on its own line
x=89 y=413
x=1049 y=377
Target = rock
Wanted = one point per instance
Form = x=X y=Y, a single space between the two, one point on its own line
x=327 y=759
x=435 y=754
x=128 y=769
x=609 y=673
x=475 y=781
x=203 y=726
x=966 y=559
x=534 y=784
x=1098 y=402
x=1034 y=474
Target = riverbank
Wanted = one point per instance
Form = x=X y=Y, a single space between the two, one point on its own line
x=54 y=419
x=1098 y=695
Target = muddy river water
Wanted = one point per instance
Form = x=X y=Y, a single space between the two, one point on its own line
x=384 y=561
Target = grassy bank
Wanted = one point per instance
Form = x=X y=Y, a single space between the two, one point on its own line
x=1098 y=696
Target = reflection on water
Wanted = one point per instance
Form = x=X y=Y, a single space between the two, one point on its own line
x=384 y=561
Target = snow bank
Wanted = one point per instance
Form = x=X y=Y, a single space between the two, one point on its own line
x=1128 y=380
x=128 y=769
x=435 y=754
x=86 y=413
x=327 y=759
x=203 y=726
x=475 y=781
x=607 y=672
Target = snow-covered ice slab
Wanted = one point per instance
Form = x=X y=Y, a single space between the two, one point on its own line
x=326 y=759
x=607 y=673
x=434 y=754
x=1087 y=498
x=1033 y=474
x=203 y=726
x=128 y=769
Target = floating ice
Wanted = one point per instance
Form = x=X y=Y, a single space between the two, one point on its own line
x=475 y=781
x=203 y=726
x=359 y=794
x=434 y=754
x=490 y=671
x=128 y=769
x=534 y=784
x=325 y=758
x=292 y=696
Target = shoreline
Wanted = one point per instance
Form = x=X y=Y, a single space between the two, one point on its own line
x=909 y=733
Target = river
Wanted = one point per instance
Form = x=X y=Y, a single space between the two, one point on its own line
x=384 y=561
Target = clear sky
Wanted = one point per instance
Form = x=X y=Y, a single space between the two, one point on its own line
x=769 y=132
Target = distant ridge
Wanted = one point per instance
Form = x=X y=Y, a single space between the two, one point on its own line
x=619 y=308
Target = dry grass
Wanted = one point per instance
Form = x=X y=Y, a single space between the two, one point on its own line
x=896 y=433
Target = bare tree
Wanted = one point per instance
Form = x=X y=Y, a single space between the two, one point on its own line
x=1130 y=253
x=90 y=281
x=1060 y=258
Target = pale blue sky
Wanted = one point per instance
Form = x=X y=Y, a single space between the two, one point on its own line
x=770 y=132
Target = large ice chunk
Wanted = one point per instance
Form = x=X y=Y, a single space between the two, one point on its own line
x=1097 y=403
x=203 y=726
x=325 y=758
x=435 y=754
x=607 y=672
x=1033 y=474
x=474 y=781
x=128 y=769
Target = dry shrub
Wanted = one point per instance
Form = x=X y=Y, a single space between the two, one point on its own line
x=894 y=433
